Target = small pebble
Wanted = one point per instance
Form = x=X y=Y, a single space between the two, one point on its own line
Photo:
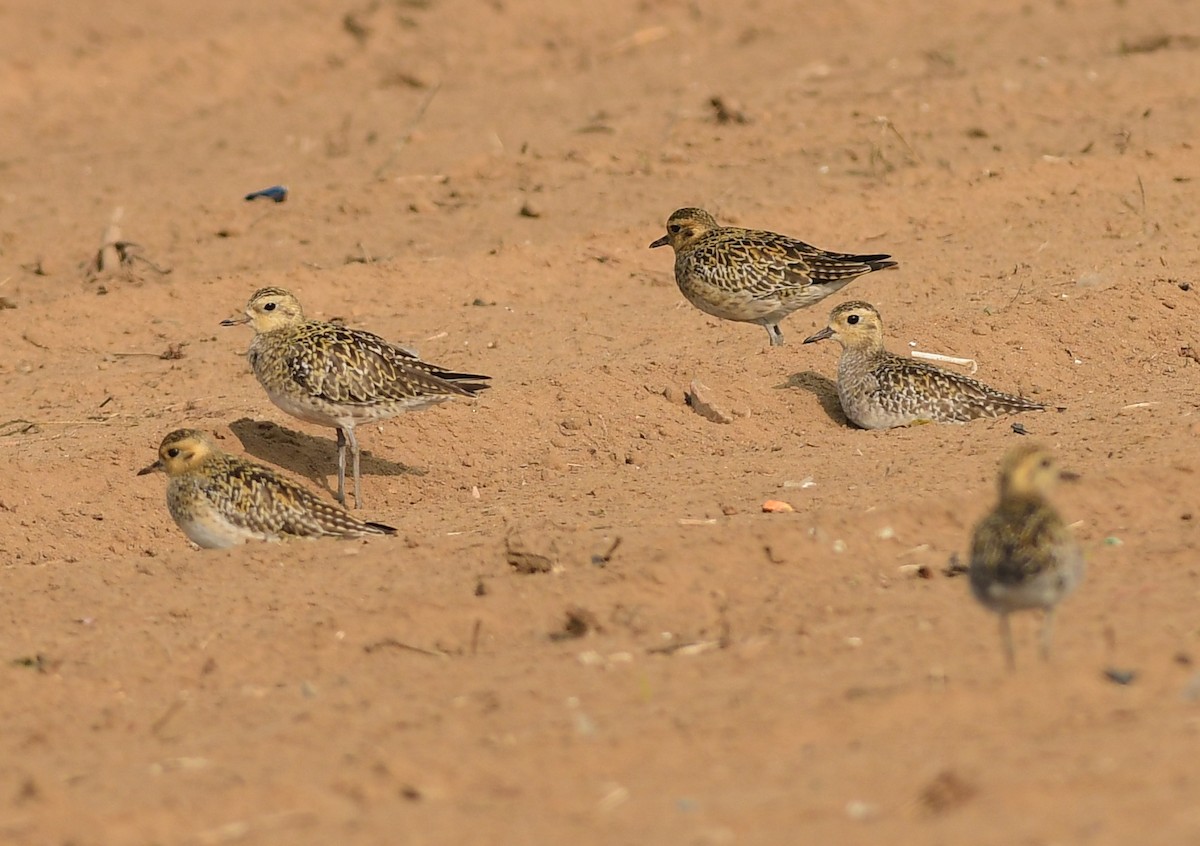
x=277 y=193
x=860 y=811
x=1117 y=676
x=674 y=395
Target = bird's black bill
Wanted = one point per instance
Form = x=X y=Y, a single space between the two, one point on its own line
x=827 y=332
x=153 y=468
x=1068 y=475
x=661 y=242
x=235 y=321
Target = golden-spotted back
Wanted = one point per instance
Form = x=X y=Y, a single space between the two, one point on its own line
x=1022 y=554
x=754 y=276
x=333 y=375
x=880 y=390
x=219 y=500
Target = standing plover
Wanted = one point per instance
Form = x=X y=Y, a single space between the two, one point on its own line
x=220 y=500
x=335 y=376
x=752 y=276
x=1022 y=555
x=879 y=389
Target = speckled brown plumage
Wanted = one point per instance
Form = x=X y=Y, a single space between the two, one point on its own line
x=1022 y=554
x=333 y=375
x=879 y=389
x=754 y=276
x=219 y=500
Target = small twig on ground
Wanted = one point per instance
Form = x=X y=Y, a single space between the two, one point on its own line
x=888 y=126
x=475 y=634
x=1020 y=289
x=948 y=359
x=692 y=647
x=158 y=725
x=640 y=38
x=402 y=142
x=396 y=644
x=603 y=559
x=114 y=254
x=364 y=256
x=131 y=257
x=954 y=567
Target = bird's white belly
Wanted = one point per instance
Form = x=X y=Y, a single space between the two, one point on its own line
x=214 y=533
x=308 y=411
x=347 y=416
x=1041 y=591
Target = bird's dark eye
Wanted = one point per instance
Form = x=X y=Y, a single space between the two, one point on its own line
x=674 y=228
x=1046 y=463
x=852 y=319
x=173 y=452
x=268 y=306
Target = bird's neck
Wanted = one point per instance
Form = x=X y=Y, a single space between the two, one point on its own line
x=862 y=354
x=1021 y=501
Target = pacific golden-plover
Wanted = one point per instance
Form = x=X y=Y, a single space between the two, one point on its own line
x=332 y=375
x=220 y=500
x=1022 y=555
x=752 y=276
x=879 y=389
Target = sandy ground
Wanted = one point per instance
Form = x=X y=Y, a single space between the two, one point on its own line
x=481 y=180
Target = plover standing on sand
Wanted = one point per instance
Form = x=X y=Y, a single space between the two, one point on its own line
x=333 y=375
x=753 y=276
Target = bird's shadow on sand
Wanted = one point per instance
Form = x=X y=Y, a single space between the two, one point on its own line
x=824 y=389
x=308 y=455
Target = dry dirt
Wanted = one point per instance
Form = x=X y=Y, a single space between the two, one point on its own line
x=482 y=180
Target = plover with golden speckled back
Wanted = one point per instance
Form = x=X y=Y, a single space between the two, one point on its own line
x=332 y=375
x=754 y=276
x=220 y=500
x=879 y=389
x=1022 y=554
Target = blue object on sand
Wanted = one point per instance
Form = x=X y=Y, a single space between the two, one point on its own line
x=278 y=193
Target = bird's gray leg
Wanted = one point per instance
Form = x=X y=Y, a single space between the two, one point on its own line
x=1047 y=633
x=1006 y=636
x=775 y=335
x=341 y=443
x=357 y=474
